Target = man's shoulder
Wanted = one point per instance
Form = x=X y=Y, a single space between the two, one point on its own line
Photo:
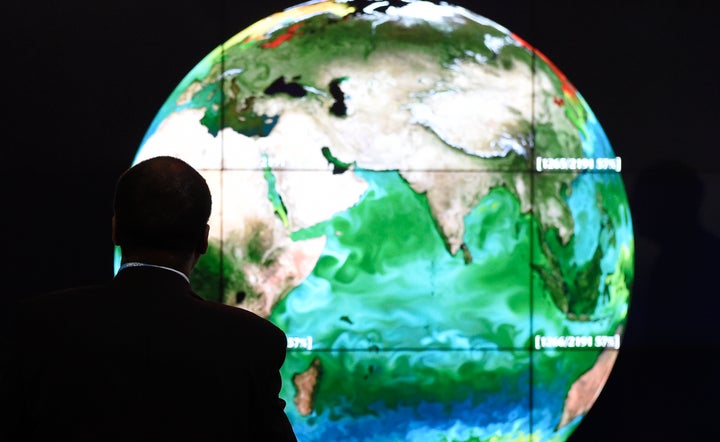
x=53 y=309
x=233 y=334
x=235 y=316
x=60 y=298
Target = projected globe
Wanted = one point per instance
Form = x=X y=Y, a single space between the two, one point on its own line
x=424 y=204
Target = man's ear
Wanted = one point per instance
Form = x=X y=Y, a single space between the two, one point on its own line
x=203 y=246
x=114 y=232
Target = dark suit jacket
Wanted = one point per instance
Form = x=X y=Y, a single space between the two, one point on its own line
x=142 y=358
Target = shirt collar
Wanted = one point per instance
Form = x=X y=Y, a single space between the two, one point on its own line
x=143 y=264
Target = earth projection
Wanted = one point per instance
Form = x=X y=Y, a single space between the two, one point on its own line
x=426 y=206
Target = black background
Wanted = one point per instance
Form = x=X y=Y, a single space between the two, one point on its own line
x=82 y=80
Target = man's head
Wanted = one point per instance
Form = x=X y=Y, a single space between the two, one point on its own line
x=162 y=204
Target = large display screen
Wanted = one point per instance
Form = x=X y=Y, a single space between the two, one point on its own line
x=427 y=207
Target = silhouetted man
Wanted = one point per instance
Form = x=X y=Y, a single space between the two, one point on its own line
x=144 y=357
